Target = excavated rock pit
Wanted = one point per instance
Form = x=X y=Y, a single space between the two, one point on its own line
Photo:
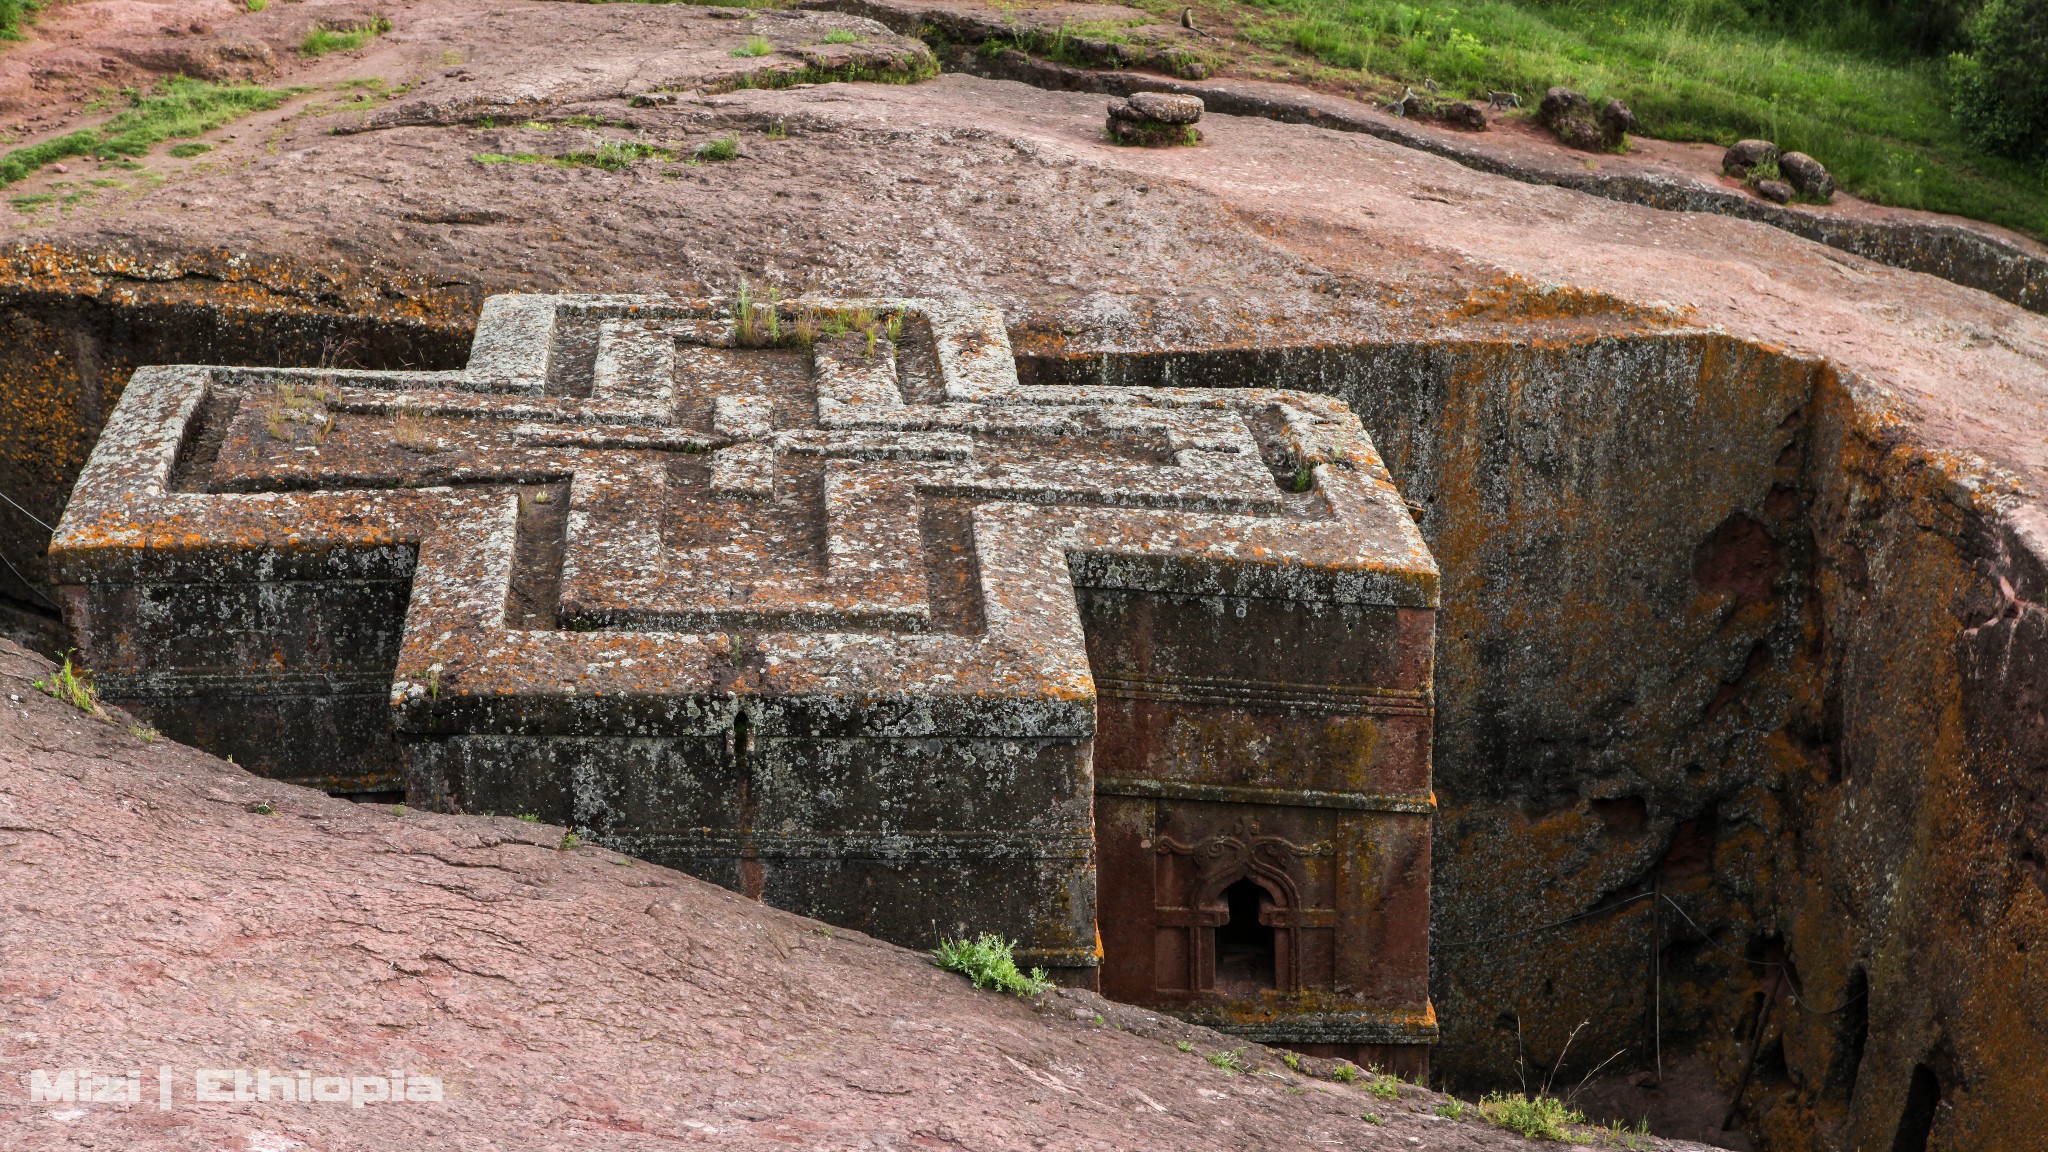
x=1741 y=669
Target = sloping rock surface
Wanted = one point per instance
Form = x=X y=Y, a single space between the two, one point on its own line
x=162 y=907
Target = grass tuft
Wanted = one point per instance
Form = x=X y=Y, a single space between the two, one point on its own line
x=1536 y=1118
x=723 y=148
x=1231 y=1060
x=323 y=41
x=755 y=46
x=988 y=962
x=73 y=685
x=841 y=36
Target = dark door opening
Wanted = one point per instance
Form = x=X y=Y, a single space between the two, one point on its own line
x=1916 y=1123
x=1244 y=946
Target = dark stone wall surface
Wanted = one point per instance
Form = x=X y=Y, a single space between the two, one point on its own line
x=1748 y=690
x=72 y=330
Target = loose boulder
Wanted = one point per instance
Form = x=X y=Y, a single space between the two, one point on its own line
x=1776 y=191
x=1806 y=175
x=1461 y=114
x=1154 y=119
x=1573 y=119
x=1745 y=155
x=1616 y=122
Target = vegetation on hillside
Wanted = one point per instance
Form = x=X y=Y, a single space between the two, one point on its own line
x=2000 y=86
x=13 y=13
x=179 y=107
x=1863 y=86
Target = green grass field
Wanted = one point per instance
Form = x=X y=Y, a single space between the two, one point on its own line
x=1842 y=89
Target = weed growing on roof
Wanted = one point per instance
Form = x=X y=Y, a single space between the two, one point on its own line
x=178 y=107
x=72 y=685
x=322 y=41
x=294 y=415
x=1537 y=1118
x=988 y=962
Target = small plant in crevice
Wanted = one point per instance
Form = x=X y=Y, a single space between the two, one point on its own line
x=988 y=962
x=755 y=46
x=1231 y=1060
x=323 y=41
x=262 y=809
x=1385 y=1087
x=528 y=818
x=570 y=841
x=1344 y=1073
x=1183 y=1046
x=1451 y=1109
x=73 y=685
x=1535 y=1117
x=723 y=148
x=408 y=433
x=841 y=36
x=295 y=415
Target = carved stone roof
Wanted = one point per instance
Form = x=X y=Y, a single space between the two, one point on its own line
x=886 y=514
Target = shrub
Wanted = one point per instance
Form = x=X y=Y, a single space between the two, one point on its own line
x=987 y=962
x=1999 y=90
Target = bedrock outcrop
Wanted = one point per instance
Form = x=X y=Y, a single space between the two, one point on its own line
x=1741 y=645
x=555 y=992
